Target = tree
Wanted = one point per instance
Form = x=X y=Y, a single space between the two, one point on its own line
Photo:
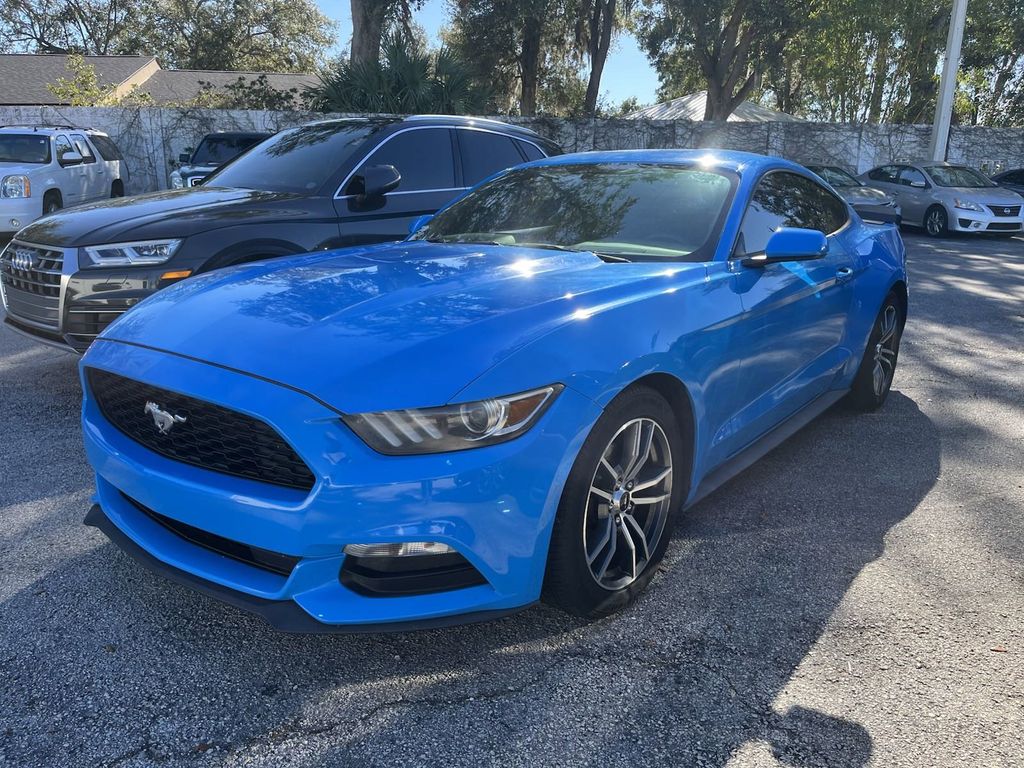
x=725 y=44
x=993 y=63
x=406 y=79
x=83 y=88
x=264 y=35
x=599 y=20
x=370 y=21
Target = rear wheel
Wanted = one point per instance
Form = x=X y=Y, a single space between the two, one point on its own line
x=878 y=366
x=117 y=189
x=616 y=512
x=936 y=223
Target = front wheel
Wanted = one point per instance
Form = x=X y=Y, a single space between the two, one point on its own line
x=878 y=366
x=936 y=223
x=615 y=516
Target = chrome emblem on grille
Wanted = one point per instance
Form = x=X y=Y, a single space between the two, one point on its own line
x=164 y=420
x=23 y=259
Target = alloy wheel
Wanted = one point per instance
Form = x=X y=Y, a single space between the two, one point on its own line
x=885 y=350
x=935 y=223
x=628 y=503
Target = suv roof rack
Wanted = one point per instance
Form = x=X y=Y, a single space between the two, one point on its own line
x=45 y=126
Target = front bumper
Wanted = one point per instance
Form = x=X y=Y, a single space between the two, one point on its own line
x=81 y=303
x=976 y=221
x=18 y=212
x=494 y=505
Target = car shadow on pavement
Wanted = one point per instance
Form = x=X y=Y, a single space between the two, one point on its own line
x=105 y=663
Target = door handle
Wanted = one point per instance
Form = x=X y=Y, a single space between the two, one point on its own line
x=843 y=274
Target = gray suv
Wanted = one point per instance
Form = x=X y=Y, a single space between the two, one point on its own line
x=44 y=168
x=943 y=198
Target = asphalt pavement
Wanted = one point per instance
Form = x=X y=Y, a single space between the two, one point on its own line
x=856 y=598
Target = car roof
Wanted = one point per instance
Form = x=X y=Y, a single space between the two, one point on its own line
x=452 y=121
x=724 y=159
x=237 y=134
x=49 y=130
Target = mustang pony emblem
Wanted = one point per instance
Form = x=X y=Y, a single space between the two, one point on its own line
x=164 y=420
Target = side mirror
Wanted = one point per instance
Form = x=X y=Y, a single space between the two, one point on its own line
x=70 y=158
x=184 y=157
x=919 y=184
x=377 y=180
x=419 y=223
x=790 y=244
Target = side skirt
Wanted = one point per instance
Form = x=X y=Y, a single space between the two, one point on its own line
x=766 y=443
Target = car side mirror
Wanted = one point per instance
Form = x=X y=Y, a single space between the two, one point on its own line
x=377 y=180
x=70 y=158
x=419 y=223
x=919 y=184
x=790 y=244
x=184 y=157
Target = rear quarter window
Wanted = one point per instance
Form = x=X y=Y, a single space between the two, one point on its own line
x=108 y=149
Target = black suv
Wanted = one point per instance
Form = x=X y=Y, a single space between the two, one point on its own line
x=320 y=186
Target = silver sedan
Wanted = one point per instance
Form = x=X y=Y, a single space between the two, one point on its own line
x=943 y=198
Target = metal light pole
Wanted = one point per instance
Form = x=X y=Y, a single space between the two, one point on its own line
x=947 y=86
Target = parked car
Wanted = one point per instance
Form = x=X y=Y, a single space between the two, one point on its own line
x=515 y=403
x=1012 y=180
x=319 y=186
x=44 y=168
x=945 y=198
x=213 y=151
x=871 y=203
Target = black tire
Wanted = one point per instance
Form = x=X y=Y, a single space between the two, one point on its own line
x=868 y=392
x=571 y=582
x=936 y=222
x=52 y=202
x=117 y=189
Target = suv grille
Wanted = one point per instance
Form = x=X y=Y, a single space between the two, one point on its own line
x=210 y=437
x=30 y=276
x=1005 y=210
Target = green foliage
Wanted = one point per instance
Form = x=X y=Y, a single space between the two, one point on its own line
x=407 y=79
x=244 y=93
x=83 y=88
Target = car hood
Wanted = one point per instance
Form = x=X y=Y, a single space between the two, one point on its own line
x=9 y=169
x=862 y=195
x=395 y=326
x=171 y=213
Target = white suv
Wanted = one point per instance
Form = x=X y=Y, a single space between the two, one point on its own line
x=44 y=168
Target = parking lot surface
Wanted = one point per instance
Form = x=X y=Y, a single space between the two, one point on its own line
x=856 y=598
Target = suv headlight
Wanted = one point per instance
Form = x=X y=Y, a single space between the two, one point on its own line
x=452 y=427
x=176 y=181
x=967 y=205
x=16 y=186
x=131 y=254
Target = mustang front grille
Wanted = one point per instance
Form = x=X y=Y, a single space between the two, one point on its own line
x=197 y=432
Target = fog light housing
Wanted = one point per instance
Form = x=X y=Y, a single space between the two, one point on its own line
x=398 y=549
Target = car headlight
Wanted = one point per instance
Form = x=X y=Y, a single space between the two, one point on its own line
x=452 y=427
x=967 y=205
x=132 y=254
x=16 y=186
x=177 y=182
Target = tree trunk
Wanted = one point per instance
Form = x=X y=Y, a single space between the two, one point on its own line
x=880 y=75
x=602 y=26
x=529 y=66
x=367 y=30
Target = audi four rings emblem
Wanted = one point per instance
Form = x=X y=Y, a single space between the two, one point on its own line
x=23 y=259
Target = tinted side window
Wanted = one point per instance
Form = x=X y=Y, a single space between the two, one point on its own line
x=62 y=146
x=909 y=175
x=423 y=157
x=83 y=148
x=530 y=150
x=484 y=154
x=886 y=173
x=788 y=200
x=108 y=149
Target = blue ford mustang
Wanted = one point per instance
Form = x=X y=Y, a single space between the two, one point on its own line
x=511 y=405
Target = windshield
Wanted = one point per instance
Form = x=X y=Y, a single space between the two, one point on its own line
x=24 y=148
x=298 y=160
x=835 y=176
x=625 y=212
x=217 y=150
x=958 y=176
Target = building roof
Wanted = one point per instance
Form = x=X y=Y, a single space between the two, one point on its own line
x=691 y=107
x=183 y=85
x=24 y=76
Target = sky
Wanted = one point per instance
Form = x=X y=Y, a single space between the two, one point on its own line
x=626 y=73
